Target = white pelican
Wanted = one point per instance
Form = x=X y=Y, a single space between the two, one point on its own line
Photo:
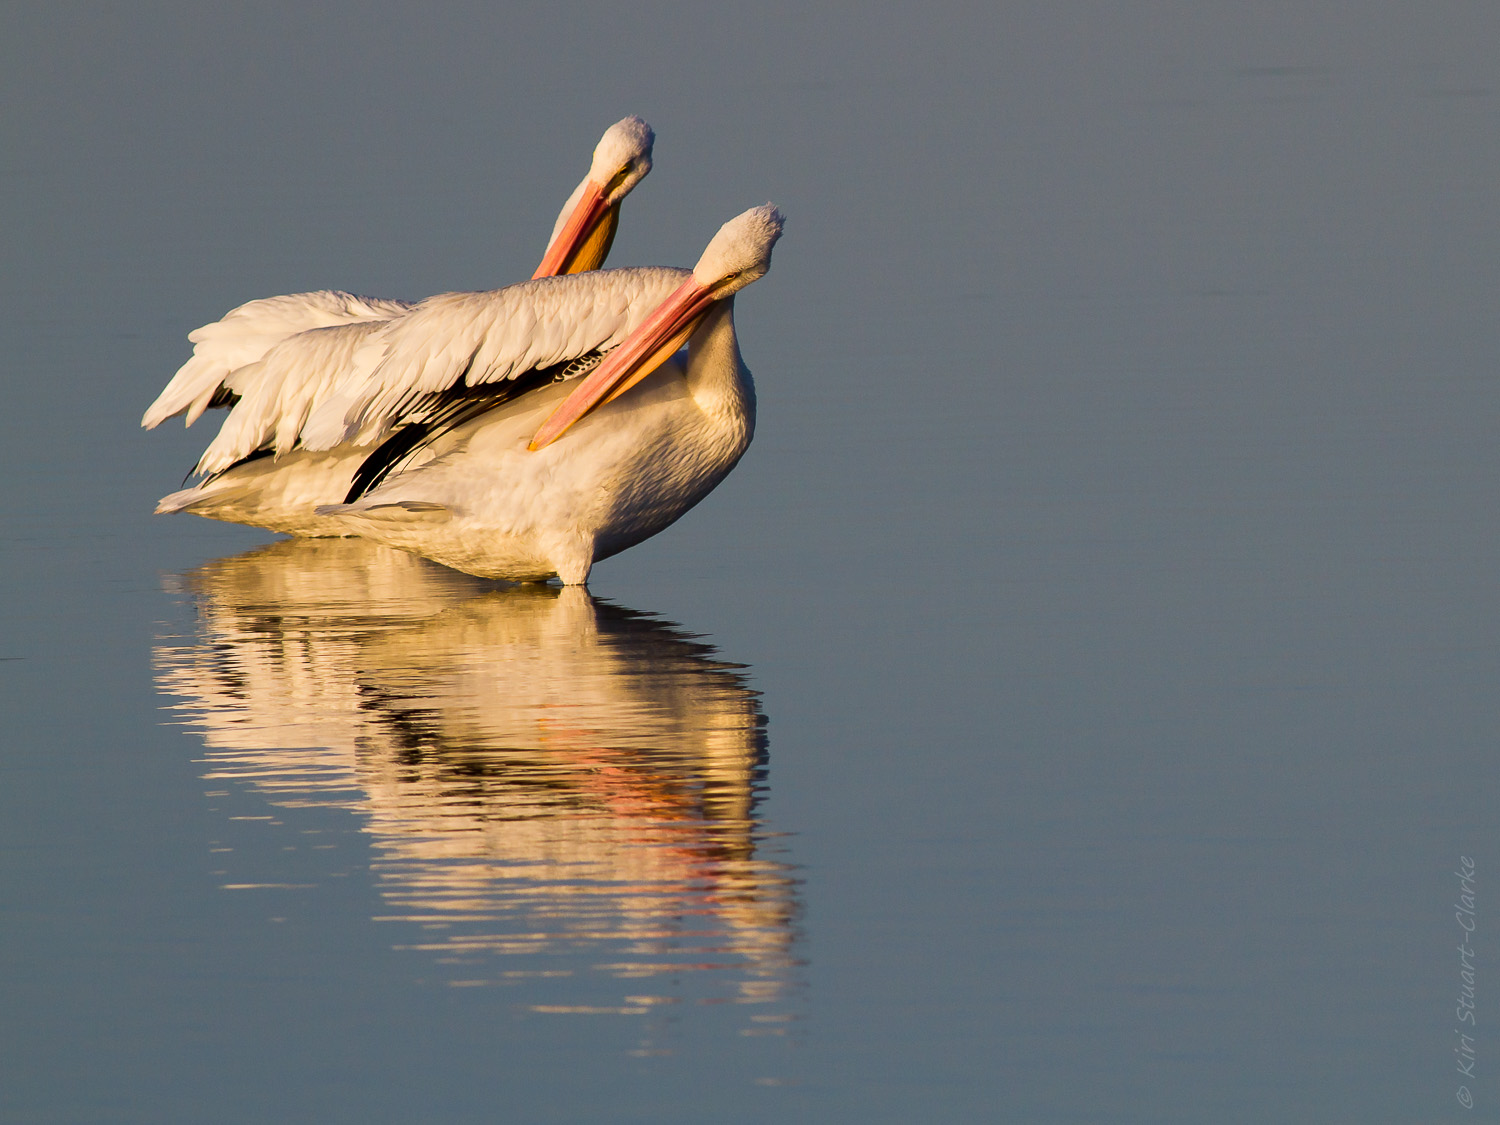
x=443 y=437
x=486 y=486
x=276 y=358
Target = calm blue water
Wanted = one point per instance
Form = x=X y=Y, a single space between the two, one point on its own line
x=1075 y=707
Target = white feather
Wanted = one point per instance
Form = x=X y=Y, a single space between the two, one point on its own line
x=282 y=389
x=474 y=338
x=244 y=335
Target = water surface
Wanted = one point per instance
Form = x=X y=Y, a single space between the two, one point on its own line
x=1074 y=707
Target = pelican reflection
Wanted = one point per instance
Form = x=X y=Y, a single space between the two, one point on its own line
x=540 y=773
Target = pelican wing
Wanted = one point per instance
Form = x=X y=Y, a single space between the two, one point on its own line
x=467 y=339
x=224 y=349
x=281 y=389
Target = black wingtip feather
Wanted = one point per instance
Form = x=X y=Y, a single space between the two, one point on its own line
x=450 y=409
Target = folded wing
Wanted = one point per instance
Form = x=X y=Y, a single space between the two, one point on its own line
x=459 y=340
x=222 y=350
x=358 y=380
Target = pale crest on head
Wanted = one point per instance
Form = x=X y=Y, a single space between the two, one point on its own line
x=741 y=251
x=626 y=142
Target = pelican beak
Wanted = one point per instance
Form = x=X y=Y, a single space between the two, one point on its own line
x=641 y=353
x=584 y=240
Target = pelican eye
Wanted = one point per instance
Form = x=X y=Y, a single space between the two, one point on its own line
x=617 y=180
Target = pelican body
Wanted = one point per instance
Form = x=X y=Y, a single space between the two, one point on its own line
x=487 y=505
x=579 y=470
x=275 y=360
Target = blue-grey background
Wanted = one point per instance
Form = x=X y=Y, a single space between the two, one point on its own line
x=1116 y=555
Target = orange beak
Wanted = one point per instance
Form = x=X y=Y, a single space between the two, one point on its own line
x=584 y=240
x=641 y=353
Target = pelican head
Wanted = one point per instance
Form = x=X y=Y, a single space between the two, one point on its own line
x=622 y=158
x=739 y=254
x=585 y=227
